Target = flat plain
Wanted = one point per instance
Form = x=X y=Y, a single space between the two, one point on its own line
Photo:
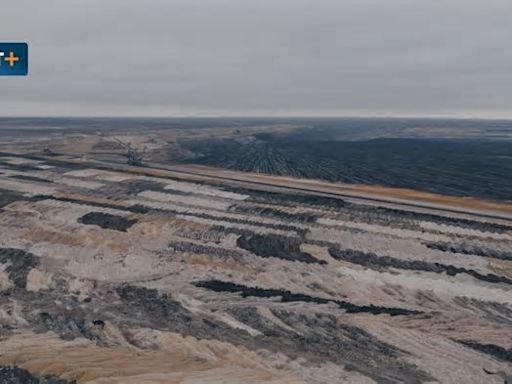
x=189 y=269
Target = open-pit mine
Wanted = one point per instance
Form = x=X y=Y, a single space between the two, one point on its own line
x=175 y=272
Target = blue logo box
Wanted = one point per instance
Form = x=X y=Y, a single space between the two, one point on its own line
x=13 y=59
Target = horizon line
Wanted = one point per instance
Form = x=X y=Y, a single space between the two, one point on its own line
x=296 y=117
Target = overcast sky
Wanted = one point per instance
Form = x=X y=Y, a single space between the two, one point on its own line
x=261 y=57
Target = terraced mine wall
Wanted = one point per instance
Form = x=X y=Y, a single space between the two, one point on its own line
x=124 y=276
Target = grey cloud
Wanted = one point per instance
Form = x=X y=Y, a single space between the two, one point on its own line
x=275 y=57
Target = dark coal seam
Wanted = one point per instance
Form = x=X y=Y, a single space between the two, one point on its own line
x=453 y=221
x=14 y=374
x=287 y=297
x=276 y=213
x=31 y=178
x=182 y=246
x=19 y=167
x=282 y=227
x=495 y=351
x=7 y=197
x=107 y=221
x=376 y=262
x=465 y=250
x=495 y=311
x=276 y=246
x=129 y=188
x=133 y=208
x=21 y=262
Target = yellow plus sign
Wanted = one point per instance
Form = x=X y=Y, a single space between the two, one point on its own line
x=11 y=59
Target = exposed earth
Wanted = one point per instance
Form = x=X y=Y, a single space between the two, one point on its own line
x=178 y=273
